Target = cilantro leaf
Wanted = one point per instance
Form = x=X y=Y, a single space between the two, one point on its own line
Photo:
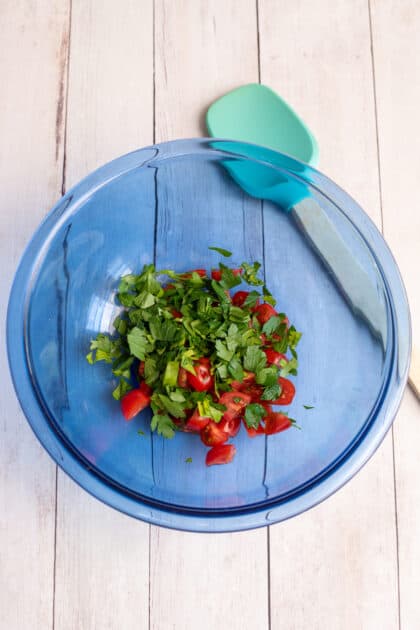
x=223 y=252
x=253 y=415
x=235 y=369
x=222 y=351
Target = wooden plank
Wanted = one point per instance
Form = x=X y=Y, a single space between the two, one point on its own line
x=336 y=565
x=220 y=565
x=32 y=74
x=102 y=564
x=396 y=53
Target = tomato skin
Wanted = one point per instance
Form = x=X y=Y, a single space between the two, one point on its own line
x=276 y=422
x=202 y=380
x=221 y=454
x=273 y=357
x=145 y=388
x=182 y=377
x=231 y=427
x=196 y=422
x=264 y=312
x=288 y=391
x=133 y=402
x=212 y=434
x=240 y=297
x=216 y=274
x=254 y=432
x=141 y=369
x=235 y=402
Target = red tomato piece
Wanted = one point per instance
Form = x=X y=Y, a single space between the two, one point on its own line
x=264 y=312
x=231 y=426
x=212 y=434
x=287 y=392
x=133 y=402
x=273 y=357
x=145 y=388
x=254 y=432
x=240 y=297
x=222 y=454
x=176 y=313
x=196 y=422
x=202 y=380
x=182 y=377
x=276 y=422
x=216 y=274
x=141 y=369
x=235 y=402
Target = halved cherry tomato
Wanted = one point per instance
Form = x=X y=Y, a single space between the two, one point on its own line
x=133 y=402
x=264 y=312
x=145 y=388
x=254 y=432
x=231 y=426
x=239 y=298
x=222 y=454
x=287 y=392
x=273 y=357
x=196 y=422
x=216 y=274
x=212 y=434
x=235 y=402
x=202 y=380
x=276 y=422
x=182 y=377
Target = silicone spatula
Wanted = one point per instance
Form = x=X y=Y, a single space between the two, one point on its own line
x=256 y=114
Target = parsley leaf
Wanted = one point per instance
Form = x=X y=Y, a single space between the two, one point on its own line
x=188 y=460
x=254 y=359
x=223 y=252
x=253 y=415
x=138 y=343
x=272 y=392
x=308 y=407
x=122 y=388
x=164 y=425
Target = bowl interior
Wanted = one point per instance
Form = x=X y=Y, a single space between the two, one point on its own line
x=169 y=210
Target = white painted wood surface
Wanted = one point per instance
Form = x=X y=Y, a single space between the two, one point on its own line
x=102 y=556
x=66 y=561
x=396 y=47
x=33 y=46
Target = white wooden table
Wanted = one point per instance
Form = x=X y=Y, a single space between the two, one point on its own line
x=83 y=81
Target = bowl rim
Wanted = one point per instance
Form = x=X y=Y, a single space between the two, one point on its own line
x=158 y=512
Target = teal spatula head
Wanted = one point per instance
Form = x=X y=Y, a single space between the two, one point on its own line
x=254 y=113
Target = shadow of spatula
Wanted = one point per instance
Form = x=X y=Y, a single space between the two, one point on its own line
x=255 y=114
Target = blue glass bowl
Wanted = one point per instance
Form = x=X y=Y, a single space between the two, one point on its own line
x=325 y=262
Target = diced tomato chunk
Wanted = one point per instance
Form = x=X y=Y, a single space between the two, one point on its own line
x=133 y=402
x=212 y=434
x=264 y=312
x=276 y=422
x=196 y=422
x=216 y=274
x=221 y=454
x=273 y=357
x=231 y=426
x=235 y=402
x=287 y=392
x=202 y=380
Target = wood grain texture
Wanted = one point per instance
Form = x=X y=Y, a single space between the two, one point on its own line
x=102 y=563
x=341 y=557
x=31 y=153
x=396 y=52
x=203 y=49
